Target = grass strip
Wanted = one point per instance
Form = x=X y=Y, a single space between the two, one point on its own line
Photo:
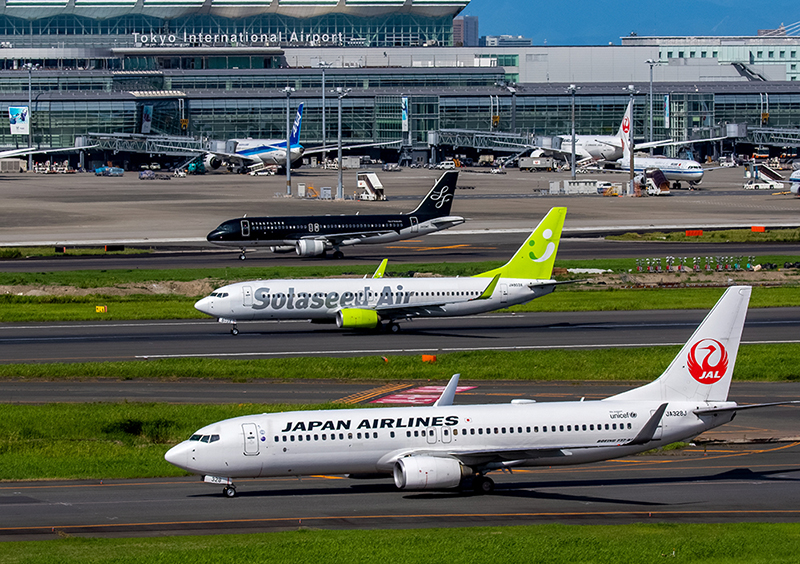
x=145 y=306
x=722 y=236
x=763 y=363
x=755 y=543
x=103 y=440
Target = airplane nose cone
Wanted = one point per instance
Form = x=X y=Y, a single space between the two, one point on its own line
x=178 y=455
x=205 y=305
x=214 y=236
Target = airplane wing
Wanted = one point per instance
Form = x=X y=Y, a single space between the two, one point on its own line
x=332 y=148
x=417 y=309
x=504 y=456
x=31 y=151
x=343 y=239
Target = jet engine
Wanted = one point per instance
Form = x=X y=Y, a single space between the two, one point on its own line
x=354 y=318
x=310 y=247
x=428 y=472
x=211 y=161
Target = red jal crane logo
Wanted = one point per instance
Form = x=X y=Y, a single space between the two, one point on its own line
x=626 y=125
x=708 y=361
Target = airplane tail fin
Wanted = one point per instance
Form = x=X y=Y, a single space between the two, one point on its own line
x=624 y=132
x=438 y=201
x=703 y=369
x=535 y=258
x=294 y=138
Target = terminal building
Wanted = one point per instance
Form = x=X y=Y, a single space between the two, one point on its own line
x=218 y=69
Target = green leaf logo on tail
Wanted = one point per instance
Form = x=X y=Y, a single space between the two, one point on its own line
x=534 y=259
x=543 y=241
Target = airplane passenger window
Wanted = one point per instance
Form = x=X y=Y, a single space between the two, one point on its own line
x=291 y=438
x=503 y=430
x=591 y=427
x=358 y=435
x=606 y=426
x=569 y=428
x=391 y=434
x=553 y=428
x=472 y=431
x=316 y=437
x=614 y=426
x=629 y=425
x=544 y=429
x=299 y=437
x=535 y=429
x=341 y=436
x=350 y=436
x=455 y=431
x=444 y=432
x=277 y=439
x=519 y=429
x=416 y=433
x=284 y=438
x=480 y=431
x=584 y=427
x=408 y=433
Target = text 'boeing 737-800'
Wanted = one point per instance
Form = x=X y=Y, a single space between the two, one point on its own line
x=447 y=446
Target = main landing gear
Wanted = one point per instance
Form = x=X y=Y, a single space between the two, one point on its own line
x=337 y=254
x=229 y=491
x=234 y=330
x=242 y=256
x=482 y=484
x=390 y=327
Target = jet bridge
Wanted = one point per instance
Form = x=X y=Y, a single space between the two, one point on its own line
x=151 y=144
x=494 y=141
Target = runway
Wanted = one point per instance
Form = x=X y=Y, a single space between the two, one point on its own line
x=440 y=247
x=756 y=483
x=142 y=340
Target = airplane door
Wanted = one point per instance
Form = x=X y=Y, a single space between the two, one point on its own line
x=503 y=293
x=245 y=227
x=250 y=439
x=659 y=429
x=432 y=435
x=247 y=296
x=414 y=224
x=446 y=435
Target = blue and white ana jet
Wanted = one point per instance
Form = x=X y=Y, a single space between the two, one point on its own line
x=448 y=446
x=370 y=303
x=255 y=153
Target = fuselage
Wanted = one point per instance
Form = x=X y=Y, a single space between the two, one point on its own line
x=355 y=441
x=596 y=147
x=352 y=229
x=321 y=299
x=676 y=170
x=270 y=151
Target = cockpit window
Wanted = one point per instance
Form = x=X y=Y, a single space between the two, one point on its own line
x=195 y=438
x=227 y=228
x=214 y=438
x=204 y=439
x=218 y=294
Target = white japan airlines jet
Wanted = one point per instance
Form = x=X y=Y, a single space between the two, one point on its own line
x=445 y=445
x=365 y=303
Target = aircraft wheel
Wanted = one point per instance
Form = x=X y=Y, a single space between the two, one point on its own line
x=677 y=186
x=338 y=255
x=234 y=331
x=242 y=256
x=392 y=327
x=229 y=491
x=483 y=485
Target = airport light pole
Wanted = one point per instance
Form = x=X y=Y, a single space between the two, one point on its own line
x=30 y=67
x=288 y=91
x=572 y=90
x=323 y=65
x=652 y=63
x=341 y=93
x=632 y=90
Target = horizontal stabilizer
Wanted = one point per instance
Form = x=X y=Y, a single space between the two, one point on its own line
x=729 y=408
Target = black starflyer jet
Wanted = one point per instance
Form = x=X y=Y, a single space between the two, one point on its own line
x=314 y=235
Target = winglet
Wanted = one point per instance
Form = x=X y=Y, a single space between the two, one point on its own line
x=381 y=269
x=649 y=430
x=449 y=393
x=487 y=293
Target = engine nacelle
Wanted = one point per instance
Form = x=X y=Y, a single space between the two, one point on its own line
x=354 y=318
x=310 y=247
x=428 y=472
x=213 y=162
x=283 y=249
